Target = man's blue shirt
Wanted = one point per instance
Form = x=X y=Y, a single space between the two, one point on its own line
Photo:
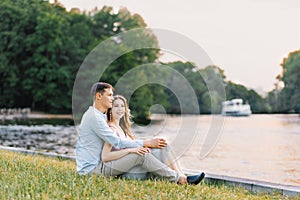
x=92 y=133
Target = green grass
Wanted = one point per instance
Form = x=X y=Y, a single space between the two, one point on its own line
x=38 y=177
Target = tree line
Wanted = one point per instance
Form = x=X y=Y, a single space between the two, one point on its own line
x=42 y=47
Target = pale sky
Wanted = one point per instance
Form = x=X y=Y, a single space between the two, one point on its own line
x=248 y=39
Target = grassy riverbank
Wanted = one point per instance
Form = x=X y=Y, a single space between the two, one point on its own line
x=38 y=177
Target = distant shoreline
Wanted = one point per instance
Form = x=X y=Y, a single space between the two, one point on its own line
x=154 y=117
x=36 y=116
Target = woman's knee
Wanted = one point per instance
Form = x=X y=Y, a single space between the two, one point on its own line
x=161 y=154
x=134 y=158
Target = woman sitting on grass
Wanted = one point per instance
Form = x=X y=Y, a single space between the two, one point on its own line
x=118 y=118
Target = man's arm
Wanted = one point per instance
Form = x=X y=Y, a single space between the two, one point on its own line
x=101 y=128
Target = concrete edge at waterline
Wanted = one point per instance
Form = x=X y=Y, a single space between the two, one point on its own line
x=255 y=186
x=31 y=152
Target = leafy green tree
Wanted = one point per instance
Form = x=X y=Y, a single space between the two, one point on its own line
x=38 y=57
x=234 y=90
x=273 y=99
x=13 y=23
x=214 y=78
x=110 y=24
x=114 y=23
x=193 y=77
x=42 y=46
x=290 y=94
x=199 y=79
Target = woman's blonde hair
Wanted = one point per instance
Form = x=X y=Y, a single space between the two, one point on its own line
x=125 y=121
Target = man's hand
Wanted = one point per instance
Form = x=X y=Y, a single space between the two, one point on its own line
x=155 y=143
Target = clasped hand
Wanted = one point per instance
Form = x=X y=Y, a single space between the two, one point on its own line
x=139 y=150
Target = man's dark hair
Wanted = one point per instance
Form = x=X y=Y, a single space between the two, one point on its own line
x=100 y=87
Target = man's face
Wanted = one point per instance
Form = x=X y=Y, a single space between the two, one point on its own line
x=107 y=98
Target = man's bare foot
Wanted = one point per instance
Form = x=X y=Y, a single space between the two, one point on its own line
x=182 y=180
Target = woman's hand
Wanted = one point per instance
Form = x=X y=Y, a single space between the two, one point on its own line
x=139 y=150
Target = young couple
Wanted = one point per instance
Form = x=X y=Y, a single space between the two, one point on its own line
x=109 y=148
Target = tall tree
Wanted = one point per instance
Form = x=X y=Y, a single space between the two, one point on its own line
x=290 y=94
x=42 y=47
x=198 y=79
x=111 y=23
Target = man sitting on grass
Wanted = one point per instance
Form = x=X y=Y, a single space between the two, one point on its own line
x=94 y=131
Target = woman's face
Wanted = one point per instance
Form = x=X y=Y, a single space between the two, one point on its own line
x=118 y=109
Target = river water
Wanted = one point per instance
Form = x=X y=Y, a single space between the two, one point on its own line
x=260 y=147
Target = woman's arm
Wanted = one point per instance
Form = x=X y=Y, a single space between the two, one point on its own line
x=109 y=155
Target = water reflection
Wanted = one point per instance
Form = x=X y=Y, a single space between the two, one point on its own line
x=259 y=147
x=262 y=147
x=289 y=119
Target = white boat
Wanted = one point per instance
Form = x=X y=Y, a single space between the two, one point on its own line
x=235 y=107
